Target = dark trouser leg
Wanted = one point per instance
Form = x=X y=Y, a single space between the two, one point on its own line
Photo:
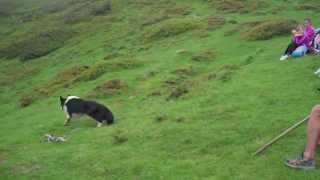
x=291 y=47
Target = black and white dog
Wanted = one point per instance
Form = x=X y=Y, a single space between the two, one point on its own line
x=74 y=106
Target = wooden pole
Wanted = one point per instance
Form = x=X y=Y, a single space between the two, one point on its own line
x=285 y=132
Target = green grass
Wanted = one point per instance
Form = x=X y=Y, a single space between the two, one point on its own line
x=191 y=102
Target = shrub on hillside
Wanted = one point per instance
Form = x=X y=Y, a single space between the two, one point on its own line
x=77 y=14
x=177 y=91
x=26 y=101
x=215 y=22
x=6 y=7
x=170 y=28
x=86 y=10
x=308 y=7
x=230 y=6
x=109 y=88
x=101 y=8
x=269 y=29
x=93 y=72
x=36 y=45
x=55 y=6
x=99 y=68
x=171 y=12
x=203 y=56
x=177 y=11
x=179 y=84
x=224 y=73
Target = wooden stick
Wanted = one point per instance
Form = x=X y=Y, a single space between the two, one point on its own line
x=285 y=132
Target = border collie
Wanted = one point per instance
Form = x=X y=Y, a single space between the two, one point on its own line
x=74 y=106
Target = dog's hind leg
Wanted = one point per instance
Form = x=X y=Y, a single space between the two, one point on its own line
x=67 y=121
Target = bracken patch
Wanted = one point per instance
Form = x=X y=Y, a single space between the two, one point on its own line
x=171 y=27
x=204 y=56
x=109 y=88
x=36 y=45
x=268 y=29
x=215 y=22
x=224 y=73
x=62 y=79
x=308 y=7
x=230 y=6
x=102 y=67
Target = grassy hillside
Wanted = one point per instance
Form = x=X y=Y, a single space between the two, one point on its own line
x=196 y=87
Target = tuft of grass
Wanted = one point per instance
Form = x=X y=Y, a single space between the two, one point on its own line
x=203 y=56
x=224 y=73
x=268 y=29
x=102 y=67
x=161 y=118
x=93 y=72
x=215 y=22
x=119 y=137
x=177 y=91
x=181 y=72
x=177 y=11
x=26 y=101
x=169 y=28
x=109 y=88
x=230 y=6
x=101 y=8
x=179 y=84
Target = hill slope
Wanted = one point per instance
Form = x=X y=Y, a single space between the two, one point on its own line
x=195 y=86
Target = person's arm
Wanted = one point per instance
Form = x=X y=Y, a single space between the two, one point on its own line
x=300 y=41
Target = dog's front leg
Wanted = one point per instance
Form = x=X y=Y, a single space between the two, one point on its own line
x=67 y=121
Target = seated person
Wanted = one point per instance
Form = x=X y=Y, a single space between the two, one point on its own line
x=298 y=35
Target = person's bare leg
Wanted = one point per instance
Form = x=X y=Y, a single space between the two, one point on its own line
x=313 y=133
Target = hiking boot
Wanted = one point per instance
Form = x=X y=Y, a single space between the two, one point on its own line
x=301 y=163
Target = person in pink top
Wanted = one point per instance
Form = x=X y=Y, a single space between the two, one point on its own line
x=309 y=32
x=298 y=36
x=302 y=36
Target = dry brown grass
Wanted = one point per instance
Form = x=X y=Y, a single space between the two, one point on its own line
x=109 y=88
x=204 y=56
x=169 y=28
x=35 y=44
x=308 y=7
x=215 y=22
x=224 y=73
x=230 y=6
x=62 y=79
x=267 y=29
x=12 y=75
